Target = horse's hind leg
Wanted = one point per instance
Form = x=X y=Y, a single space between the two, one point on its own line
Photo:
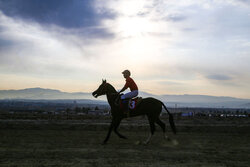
x=161 y=124
x=152 y=128
x=163 y=127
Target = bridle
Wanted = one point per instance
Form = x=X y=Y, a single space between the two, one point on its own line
x=105 y=86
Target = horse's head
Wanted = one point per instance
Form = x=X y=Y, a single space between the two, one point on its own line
x=102 y=89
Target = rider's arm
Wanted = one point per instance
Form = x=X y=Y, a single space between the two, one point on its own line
x=124 y=88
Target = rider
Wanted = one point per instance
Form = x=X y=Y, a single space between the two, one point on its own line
x=130 y=83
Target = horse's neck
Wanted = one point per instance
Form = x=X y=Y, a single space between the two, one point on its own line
x=111 y=89
x=111 y=95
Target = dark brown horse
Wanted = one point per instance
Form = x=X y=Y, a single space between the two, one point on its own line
x=150 y=107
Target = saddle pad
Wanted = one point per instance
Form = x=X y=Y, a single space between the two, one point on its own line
x=133 y=103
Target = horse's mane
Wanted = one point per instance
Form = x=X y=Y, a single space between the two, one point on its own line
x=111 y=88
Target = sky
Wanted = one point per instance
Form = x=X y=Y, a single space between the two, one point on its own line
x=171 y=47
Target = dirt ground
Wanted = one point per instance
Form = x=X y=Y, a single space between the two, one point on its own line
x=81 y=147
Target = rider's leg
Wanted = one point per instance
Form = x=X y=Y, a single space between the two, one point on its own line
x=125 y=99
x=130 y=95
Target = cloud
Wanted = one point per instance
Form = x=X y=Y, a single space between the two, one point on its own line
x=199 y=47
x=96 y=32
x=5 y=43
x=219 y=77
x=175 y=18
x=28 y=48
x=143 y=14
x=70 y=14
x=75 y=14
x=189 y=29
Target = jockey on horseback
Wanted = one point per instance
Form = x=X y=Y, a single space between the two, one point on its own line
x=130 y=83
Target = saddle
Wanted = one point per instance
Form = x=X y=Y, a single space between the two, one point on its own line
x=130 y=104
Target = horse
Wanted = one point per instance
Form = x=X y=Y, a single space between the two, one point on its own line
x=150 y=107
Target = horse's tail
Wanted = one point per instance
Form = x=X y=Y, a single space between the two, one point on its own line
x=171 y=119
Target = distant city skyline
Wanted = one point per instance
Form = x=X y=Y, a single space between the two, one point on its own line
x=170 y=47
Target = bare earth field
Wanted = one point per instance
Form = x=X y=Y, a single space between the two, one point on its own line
x=24 y=143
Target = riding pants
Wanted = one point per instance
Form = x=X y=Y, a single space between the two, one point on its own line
x=130 y=95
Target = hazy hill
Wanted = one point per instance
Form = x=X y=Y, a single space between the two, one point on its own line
x=40 y=93
x=171 y=100
x=201 y=101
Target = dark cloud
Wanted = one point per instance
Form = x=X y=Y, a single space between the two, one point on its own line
x=97 y=33
x=143 y=14
x=219 y=77
x=189 y=29
x=4 y=43
x=175 y=18
x=63 y=13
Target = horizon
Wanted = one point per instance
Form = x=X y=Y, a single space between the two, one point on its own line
x=171 y=48
x=127 y=91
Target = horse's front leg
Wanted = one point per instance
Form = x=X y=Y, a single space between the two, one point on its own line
x=109 y=132
x=116 y=125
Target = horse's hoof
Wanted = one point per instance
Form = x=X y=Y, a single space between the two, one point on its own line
x=167 y=138
x=138 y=142
x=175 y=142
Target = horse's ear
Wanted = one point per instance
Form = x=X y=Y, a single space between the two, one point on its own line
x=103 y=81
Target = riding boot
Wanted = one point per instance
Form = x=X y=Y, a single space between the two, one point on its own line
x=117 y=100
x=125 y=107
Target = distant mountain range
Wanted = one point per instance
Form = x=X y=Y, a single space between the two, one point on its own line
x=40 y=93
x=171 y=100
